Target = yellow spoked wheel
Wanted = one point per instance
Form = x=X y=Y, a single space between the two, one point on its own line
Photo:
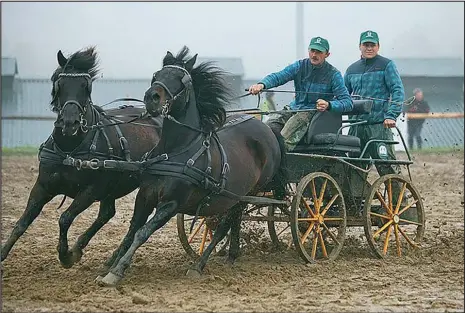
x=318 y=218
x=195 y=242
x=394 y=217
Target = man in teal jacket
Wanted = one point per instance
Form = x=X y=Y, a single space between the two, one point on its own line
x=322 y=87
x=376 y=77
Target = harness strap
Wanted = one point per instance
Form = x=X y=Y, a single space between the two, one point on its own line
x=123 y=143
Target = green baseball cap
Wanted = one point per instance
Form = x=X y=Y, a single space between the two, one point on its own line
x=319 y=44
x=369 y=36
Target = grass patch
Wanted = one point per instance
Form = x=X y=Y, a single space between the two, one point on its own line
x=19 y=151
x=439 y=150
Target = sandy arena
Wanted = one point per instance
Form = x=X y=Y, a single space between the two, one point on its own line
x=428 y=280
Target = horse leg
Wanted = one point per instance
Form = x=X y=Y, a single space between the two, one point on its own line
x=81 y=202
x=36 y=202
x=221 y=231
x=163 y=214
x=142 y=210
x=106 y=212
x=236 y=219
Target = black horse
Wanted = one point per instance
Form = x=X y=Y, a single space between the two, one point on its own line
x=204 y=163
x=83 y=136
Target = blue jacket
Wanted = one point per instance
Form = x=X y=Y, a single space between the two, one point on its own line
x=321 y=82
x=376 y=78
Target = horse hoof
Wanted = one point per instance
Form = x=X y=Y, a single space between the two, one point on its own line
x=110 y=280
x=98 y=279
x=66 y=263
x=229 y=261
x=193 y=273
x=76 y=255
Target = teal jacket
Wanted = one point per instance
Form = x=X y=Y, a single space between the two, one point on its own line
x=320 y=82
x=376 y=78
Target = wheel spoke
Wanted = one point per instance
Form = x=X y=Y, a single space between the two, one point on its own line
x=330 y=234
x=323 y=247
x=396 y=234
x=379 y=215
x=330 y=203
x=315 y=199
x=307 y=219
x=314 y=245
x=380 y=198
x=401 y=196
x=282 y=231
x=407 y=207
x=379 y=231
x=413 y=244
x=322 y=192
x=204 y=239
x=386 y=241
x=196 y=230
x=390 y=194
x=307 y=207
x=334 y=219
x=410 y=222
x=304 y=237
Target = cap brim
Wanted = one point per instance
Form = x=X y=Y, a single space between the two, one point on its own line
x=369 y=40
x=317 y=47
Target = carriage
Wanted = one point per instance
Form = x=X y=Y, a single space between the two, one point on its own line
x=328 y=195
x=325 y=194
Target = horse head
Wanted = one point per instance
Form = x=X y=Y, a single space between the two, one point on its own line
x=71 y=92
x=171 y=87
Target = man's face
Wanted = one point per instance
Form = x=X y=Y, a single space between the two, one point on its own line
x=369 y=50
x=419 y=96
x=317 y=57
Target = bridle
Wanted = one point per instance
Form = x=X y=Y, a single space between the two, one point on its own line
x=82 y=108
x=187 y=85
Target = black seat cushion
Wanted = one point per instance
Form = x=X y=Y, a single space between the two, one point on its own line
x=326 y=143
x=330 y=139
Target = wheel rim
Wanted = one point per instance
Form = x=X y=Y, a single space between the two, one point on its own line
x=318 y=218
x=195 y=242
x=280 y=232
x=394 y=216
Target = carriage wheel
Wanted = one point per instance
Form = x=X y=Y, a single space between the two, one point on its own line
x=280 y=231
x=318 y=218
x=202 y=233
x=394 y=218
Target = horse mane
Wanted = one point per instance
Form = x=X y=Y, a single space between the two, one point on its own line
x=212 y=92
x=82 y=61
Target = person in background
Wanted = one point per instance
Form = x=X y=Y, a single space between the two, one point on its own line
x=414 y=125
x=268 y=105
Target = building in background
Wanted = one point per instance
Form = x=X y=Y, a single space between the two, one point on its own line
x=28 y=121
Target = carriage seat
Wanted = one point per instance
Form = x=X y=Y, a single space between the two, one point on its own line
x=322 y=135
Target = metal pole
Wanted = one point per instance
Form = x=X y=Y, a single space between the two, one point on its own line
x=299 y=39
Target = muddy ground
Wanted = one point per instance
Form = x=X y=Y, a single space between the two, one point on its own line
x=428 y=280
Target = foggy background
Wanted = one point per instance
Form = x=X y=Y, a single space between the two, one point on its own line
x=132 y=38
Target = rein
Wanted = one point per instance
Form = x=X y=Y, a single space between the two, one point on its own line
x=406 y=102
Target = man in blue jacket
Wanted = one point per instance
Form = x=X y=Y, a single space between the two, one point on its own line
x=318 y=85
x=376 y=77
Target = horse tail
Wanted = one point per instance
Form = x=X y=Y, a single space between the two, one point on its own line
x=281 y=178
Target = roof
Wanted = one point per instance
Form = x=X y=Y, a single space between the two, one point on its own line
x=432 y=67
x=9 y=67
x=231 y=65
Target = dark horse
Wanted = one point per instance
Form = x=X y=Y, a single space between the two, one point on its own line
x=205 y=164
x=84 y=132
